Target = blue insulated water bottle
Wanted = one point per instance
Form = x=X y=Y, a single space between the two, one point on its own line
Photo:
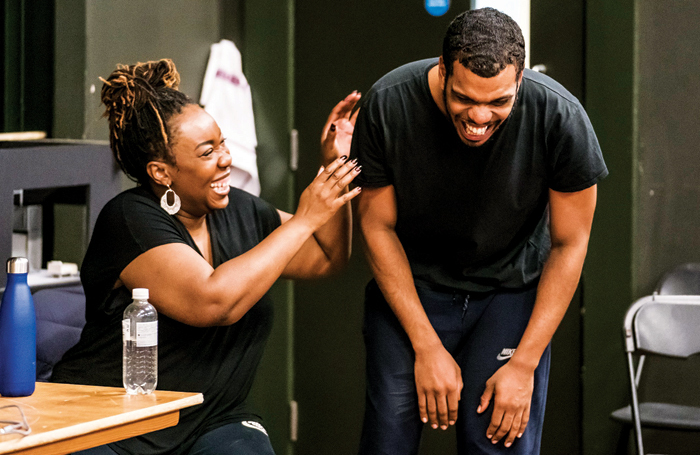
x=17 y=333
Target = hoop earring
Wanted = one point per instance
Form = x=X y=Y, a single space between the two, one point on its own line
x=170 y=209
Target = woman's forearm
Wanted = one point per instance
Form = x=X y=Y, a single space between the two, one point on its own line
x=335 y=240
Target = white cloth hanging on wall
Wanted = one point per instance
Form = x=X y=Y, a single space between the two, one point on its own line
x=226 y=97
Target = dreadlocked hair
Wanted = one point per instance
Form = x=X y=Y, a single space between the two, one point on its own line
x=140 y=100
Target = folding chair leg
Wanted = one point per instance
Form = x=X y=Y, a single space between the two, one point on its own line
x=635 y=406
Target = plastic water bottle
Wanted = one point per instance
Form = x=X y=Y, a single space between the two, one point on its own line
x=17 y=333
x=140 y=339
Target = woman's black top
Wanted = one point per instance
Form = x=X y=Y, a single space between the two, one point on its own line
x=219 y=362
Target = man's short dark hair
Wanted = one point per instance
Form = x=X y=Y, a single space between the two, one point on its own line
x=484 y=41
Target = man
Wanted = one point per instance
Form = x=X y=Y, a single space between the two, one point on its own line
x=479 y=186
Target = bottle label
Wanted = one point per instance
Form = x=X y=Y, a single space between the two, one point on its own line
x=146 y=334
x=126 y=329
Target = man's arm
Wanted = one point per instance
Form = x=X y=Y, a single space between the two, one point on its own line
x=438 y=377
x=571 y=216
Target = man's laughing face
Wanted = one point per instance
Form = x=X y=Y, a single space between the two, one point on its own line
x=477 y=105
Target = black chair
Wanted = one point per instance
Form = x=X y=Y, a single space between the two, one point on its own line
x=683 y=280
x=60 y=317
x=663 y=325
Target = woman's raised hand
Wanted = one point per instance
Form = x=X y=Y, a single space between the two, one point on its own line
x=327 y=192
x=337 y=132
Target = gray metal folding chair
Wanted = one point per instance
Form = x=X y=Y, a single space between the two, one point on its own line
x=664 y=325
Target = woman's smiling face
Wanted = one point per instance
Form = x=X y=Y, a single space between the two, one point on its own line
x=200 y=175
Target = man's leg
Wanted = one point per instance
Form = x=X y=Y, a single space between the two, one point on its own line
x=502 y=318
x=392 y=420
x=391 y=424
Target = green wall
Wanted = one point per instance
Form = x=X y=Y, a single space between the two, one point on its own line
x=93 y=36
x=641 y=81
x=608 y=269
x=26 y=78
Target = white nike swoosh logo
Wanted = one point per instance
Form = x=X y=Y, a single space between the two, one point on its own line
x=505 y=354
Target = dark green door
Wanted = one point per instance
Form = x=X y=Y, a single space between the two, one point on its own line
x=266 y=34
x=341 y=47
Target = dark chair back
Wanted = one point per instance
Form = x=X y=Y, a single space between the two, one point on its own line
x=60 y=317
x=682 y=280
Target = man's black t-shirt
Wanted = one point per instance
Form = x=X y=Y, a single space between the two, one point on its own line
x=474 y=218
x=219 y=362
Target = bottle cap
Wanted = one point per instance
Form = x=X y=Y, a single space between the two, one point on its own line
x=17 y=265
x=139 y=294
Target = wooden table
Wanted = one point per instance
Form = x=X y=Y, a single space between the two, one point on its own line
x=65 y=418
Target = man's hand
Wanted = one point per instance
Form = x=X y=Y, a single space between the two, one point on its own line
x=437 y=375
x=511 y=388
x=439 y=386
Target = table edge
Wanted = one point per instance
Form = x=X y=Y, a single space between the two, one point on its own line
x=73 y=431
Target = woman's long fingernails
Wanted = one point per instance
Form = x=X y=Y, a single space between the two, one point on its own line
x=343 y=157
x=358 y=168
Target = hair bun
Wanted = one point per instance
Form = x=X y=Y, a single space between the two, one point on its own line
x=130 y=87
x=161 y=73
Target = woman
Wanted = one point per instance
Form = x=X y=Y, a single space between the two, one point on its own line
x=208 y=254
